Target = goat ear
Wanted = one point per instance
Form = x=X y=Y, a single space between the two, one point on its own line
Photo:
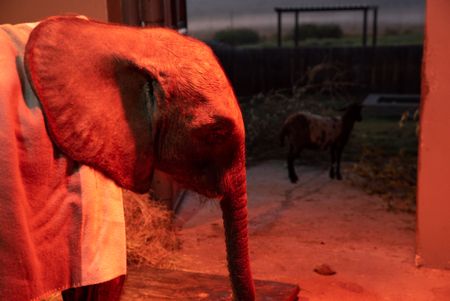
x=89 y=84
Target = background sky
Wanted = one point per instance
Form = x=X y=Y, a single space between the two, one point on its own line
x=211 y=15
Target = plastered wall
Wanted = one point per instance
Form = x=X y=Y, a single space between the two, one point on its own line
x=20 y=11
x=433 y=214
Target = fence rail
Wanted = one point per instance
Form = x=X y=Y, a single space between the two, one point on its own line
x=383 y=69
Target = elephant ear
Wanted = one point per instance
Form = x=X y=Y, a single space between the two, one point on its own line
x=94 y=96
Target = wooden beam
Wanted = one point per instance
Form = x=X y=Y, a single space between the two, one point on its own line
x=114 y=11
x=130 y=12
x=279 y=28
x=296 y=30
x=364 y=33
x=375 y=26
x=147 y=283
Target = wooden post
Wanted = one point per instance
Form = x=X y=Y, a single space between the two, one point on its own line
x=279 y=28
x=152 y=12
x=130 y=12
x=181 y=15
x=374 y=26
x=114 y=11
x=167 y=4
x=364 y=38
x=296 y=29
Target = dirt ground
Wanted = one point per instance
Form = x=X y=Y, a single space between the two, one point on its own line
x=294 y=228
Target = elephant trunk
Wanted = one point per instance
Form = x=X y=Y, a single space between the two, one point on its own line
x=234 y=210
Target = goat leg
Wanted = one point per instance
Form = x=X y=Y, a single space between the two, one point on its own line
x=338 y=163
x=291 y=169
x=333 y=160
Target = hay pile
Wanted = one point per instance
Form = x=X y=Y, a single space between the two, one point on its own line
x=391 y=172
x=54 y=297
x=391 y=177
x=151 y=239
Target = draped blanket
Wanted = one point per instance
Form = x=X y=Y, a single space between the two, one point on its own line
x=61 y=224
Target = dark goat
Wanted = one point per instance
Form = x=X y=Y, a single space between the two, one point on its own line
x=306 y=130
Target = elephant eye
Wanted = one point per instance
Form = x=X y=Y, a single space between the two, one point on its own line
x=150 y=97
x=220 y=130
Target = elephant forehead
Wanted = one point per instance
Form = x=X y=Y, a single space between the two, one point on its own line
x=188 y=56
x=197 y=66
x=191 y=75
x=206 y=97
x=185 y=67
x=205 y=76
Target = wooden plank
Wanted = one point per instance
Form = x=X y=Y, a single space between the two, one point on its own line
x=156 y=284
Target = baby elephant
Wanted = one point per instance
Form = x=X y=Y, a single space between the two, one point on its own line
x=306 y=130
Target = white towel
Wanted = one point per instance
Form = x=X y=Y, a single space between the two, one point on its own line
x=61 y=224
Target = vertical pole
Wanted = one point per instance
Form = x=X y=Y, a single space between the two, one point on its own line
x=142 y=13
x=296 y=29
x=167 y=13
x=231 y=19
x=375 y=26
x=364 y=38
x=151 y=12
x=131 y=12
x=279 y=28
x=114 y=8
x=182 y=16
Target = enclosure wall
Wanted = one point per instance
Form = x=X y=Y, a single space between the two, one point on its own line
x=20 y=11
x=433 y=243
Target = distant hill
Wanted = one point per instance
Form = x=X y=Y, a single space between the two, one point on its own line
x=214 y=14
x=201 y=8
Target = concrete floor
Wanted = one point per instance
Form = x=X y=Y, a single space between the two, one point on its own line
x=294 y=228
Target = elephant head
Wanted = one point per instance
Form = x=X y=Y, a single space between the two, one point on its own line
x=127 y=101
